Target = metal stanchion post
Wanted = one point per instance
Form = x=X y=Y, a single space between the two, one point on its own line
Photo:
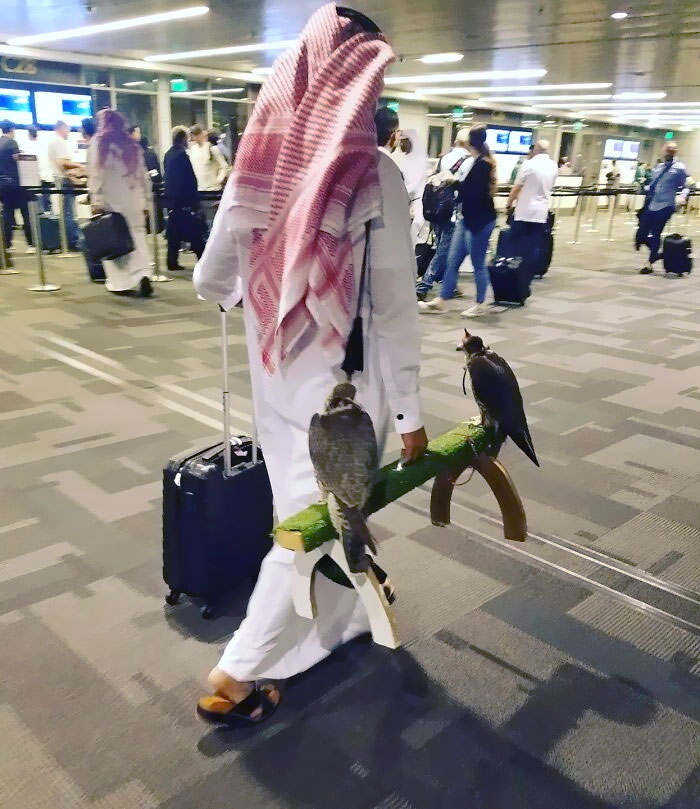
x=613 y=205
x=42 y=286
x=157 y=276
x=581 y=199
x=4 y=269
x=62 y=224
x=596 y=206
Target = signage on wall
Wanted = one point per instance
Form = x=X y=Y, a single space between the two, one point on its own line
x=458 y=112
x=179 y=85
x=393 y=105
x=669 y=135
x=578 y=126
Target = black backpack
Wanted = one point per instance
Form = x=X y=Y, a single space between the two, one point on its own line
x=439 y=200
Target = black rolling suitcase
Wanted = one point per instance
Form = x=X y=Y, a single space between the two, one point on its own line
x=95 y=269
x=547 y=248
x=49 y=232
x=510 y=279
x=217 y=514
x=677 y=254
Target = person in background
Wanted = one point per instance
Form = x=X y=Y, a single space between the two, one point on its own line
x=531 y=195
x=12 y=194
x=387 y=124
x=516 y=169
x=88 y=129
x=39 y=147
x=62 y=165
x=640 y=173
x=135 y=132
x=412 y=158
x=118 y=182
x=182 y=200
x=154 y=172
x=612 y=178
x=216 y=139
x=452 y=167
x=210 y=169
x=668 y=179
x=565 y=169
x=475 y=197
x=297 y=338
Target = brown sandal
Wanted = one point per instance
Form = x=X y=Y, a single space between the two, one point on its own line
x=219 y=710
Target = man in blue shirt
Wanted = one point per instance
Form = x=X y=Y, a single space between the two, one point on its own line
x=667 y=180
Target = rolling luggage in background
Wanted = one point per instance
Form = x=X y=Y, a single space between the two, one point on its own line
x=677 y=254
x=510 y=279
x=94 y=268
x=547 y=248
x=505 y=245
x=49 y=232
x=217 y=514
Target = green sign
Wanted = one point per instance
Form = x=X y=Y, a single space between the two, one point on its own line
x=393 y=105
x=458 y=112
x=669 y=135
x=578 y=126
x=179 y=85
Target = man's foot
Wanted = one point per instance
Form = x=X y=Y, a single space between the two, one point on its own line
x=421 y=296
x=434 y=307
x=30 y=251
x=478 y=310
x=647 y=269
x=458 y=293
x=10 y=249
x=145 y=287
x=236 y=703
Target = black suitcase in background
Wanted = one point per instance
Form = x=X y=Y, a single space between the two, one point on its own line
x=217 y=520
x=677 y=254
x=94 y=268
x=49 y=232
x=510 y=279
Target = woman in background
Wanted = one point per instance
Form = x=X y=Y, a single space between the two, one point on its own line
x=118 y=182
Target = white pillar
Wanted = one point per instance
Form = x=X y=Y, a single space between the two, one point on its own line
x=209 y=108
x=163 y=116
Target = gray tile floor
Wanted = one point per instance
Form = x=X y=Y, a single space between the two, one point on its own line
x=523 y=681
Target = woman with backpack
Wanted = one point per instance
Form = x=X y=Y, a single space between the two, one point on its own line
x=473 y=232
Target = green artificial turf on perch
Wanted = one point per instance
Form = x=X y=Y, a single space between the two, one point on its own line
x=312 y=527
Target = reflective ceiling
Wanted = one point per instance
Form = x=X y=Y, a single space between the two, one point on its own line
x=656 y=48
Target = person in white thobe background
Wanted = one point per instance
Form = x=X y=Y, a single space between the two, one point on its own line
x=273 y=642
x=412 y=158
x=118 y=181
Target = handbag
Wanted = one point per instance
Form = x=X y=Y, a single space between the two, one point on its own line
x=107 y=237
x=425 y=252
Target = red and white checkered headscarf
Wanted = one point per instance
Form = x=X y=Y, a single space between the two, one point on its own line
x=308 y=159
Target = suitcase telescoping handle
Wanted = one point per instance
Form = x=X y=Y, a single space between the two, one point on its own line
x=225 y=400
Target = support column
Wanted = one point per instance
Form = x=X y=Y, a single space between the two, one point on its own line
x=163 y=116
x=209 y=108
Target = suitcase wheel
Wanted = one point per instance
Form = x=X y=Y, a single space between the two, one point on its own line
x=207 y=611
x=172 y=598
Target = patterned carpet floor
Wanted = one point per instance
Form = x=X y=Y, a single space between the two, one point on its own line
x=563 y=673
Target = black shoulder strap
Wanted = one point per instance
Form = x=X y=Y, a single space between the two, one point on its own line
x=354 y=361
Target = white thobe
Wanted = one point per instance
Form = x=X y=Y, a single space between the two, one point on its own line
x=112 y=189
x=273 y=641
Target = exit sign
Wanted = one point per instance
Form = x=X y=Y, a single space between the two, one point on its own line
x=458 y=112
x=179 y=85
x=393 y=105
x=669 y=135
x=578 y=126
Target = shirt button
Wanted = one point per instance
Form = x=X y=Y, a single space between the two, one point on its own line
x=399 y=417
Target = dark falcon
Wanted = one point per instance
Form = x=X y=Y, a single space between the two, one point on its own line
x=497 y=393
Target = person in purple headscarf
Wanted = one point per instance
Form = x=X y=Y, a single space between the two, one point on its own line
x=118 y=181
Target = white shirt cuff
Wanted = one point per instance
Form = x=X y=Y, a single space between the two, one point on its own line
x=406 y=412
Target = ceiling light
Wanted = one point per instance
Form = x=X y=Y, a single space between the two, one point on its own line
x=218 y=78
x=262 y=71
x=534 y=99
x=116 y=25
x=254 y=47
x=620 y=15
x=133 y=83
x=216 y=90
x=479 y=75
x=511 y=88
x=440 y=58
x=638 y=96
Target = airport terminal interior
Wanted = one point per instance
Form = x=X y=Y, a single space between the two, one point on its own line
x=558 y=672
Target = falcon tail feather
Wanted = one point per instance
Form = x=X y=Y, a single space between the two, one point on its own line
x=356 y=536
x=523 y=440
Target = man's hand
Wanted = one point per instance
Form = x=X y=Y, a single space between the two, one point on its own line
x=415 y=444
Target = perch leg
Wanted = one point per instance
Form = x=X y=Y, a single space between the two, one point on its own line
x=303 y=582
x=500 y=483
x=381 y=618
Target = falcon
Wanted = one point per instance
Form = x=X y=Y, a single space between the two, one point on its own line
x=345 y=457
x=497 y=394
